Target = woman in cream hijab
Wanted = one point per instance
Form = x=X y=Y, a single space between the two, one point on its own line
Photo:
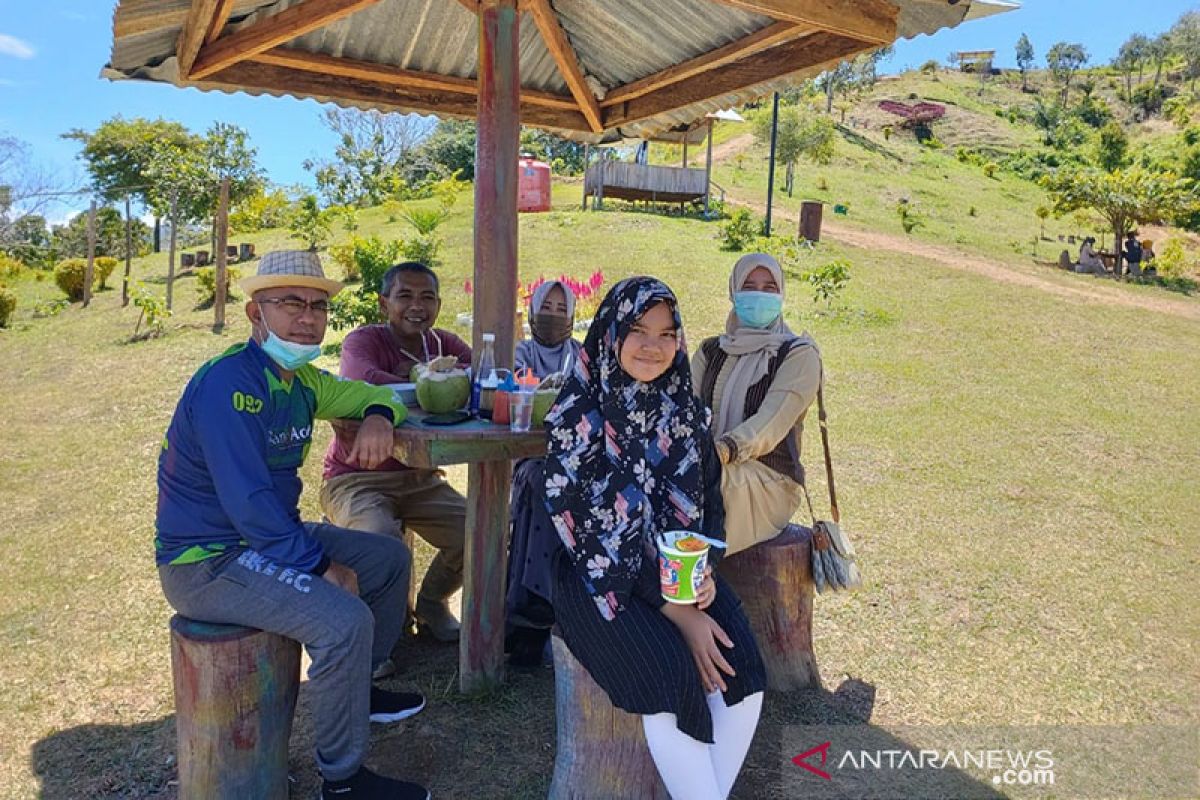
x=759 y=378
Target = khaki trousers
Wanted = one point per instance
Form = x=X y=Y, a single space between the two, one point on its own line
x=418 y=499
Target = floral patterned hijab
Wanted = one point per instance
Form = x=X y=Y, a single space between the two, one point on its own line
x=623 y=462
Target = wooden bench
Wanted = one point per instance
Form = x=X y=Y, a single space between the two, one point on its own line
x=775 y=583
x=235 y=693
x=601 y=751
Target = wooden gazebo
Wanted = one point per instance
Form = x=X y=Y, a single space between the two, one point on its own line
x=587 y=69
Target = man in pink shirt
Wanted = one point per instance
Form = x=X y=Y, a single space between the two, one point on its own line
x=394 y=495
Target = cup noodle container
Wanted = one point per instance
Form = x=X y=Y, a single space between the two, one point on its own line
x=680 y=571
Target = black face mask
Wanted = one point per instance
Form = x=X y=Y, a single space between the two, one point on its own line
x=550 y=329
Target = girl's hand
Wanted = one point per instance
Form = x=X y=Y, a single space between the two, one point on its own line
x=702 y=633
x=707 y=591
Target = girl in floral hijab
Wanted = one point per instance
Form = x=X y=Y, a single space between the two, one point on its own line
x=629 y=457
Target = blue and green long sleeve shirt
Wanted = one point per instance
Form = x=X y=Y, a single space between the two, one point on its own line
x=228 y=469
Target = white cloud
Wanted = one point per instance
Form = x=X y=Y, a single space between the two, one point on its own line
x=12 y=46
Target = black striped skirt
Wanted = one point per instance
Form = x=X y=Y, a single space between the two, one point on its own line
x=641 y=660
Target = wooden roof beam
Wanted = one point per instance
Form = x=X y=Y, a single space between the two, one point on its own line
x=394 y=76
x=251 y=76
x=219 y=18
x=269 y=32
x=564 y=55
x=191 y=35
x=871 y=21
x=760 y=40
x=808 y=53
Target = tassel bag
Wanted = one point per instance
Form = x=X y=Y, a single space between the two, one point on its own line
x=833 y=557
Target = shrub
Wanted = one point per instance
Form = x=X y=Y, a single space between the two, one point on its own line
x=910 y=217
x=424 y=248
x=206 y=282
x=343 y=255
x=828 y=280
x=1173 y=261
x=102 y=267
x=930 y=66
x=50 y=308
x=739 y=231
x=822 y=184
x=154 y=312
x=8 y=304
x=972 y=212
x=10 y=268
x=68 y=275
x=989 y=169
x=887 y=132
x=371 y=258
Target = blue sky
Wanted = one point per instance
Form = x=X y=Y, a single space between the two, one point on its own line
x=51 y=53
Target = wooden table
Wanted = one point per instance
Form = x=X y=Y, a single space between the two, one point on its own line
x=488 y=450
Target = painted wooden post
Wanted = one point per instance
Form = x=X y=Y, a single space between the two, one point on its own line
x=775 y=584
x=771 y=163
x=708 y=167
x=128 y=253
x=89 y=271
x=221 y=222
x=235 y=692
x=601 y=752
x=171 y=253
x=495 y=303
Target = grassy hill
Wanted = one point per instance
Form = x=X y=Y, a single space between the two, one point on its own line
x=1017 y=465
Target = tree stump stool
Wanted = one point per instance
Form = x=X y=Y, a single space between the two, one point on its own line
x=602 y=752
x=775 y=583
x=235 y=691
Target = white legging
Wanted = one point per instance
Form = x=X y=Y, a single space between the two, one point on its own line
x=693 y=770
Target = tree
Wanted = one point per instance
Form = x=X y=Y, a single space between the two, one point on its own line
x=1111 y=145
x=1185 y=41
x=118 y=155
x=1157 y=52
x=563 y=155
x=372 y=147
x=1123 y=198
x=71 y=240
x=866 y=67
x=833 y=80
x=25 y=188
x=1024 y=60
x=797 y=135
x=1064 y=59
x=1132 y=56
x=449 y=149
x=28 y=241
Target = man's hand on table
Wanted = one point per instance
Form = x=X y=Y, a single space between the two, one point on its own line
x=373 y=443
x=342 y=577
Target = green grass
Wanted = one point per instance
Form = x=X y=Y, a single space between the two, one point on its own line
x=1017 y=471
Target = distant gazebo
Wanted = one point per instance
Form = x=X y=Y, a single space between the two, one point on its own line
x=974 y=60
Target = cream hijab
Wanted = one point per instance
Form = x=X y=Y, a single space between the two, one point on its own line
x=751 y=348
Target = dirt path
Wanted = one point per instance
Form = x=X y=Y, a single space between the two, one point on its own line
x=722 y=151
x=1091 y=289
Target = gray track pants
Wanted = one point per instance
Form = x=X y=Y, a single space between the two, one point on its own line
x=345 y=635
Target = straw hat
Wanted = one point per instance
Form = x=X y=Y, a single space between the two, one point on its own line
x=290 y=268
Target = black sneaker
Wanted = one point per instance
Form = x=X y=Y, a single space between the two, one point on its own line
x=394 y=706
x=367 y=785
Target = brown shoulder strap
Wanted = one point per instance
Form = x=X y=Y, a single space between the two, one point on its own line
x=823 y=423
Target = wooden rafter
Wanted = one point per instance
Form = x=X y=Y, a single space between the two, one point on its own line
x=219 y=18
x=394 y=76
x=564 y=55
x=251 y=75
x=269 y=32
x=871 y=21
x=773 y=34
x=809 y=53
x=191 y=35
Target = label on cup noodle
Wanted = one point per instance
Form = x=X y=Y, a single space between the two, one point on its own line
x=669 y=569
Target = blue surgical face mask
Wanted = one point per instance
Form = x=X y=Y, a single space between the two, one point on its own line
x=288 y=355
x=757 y=309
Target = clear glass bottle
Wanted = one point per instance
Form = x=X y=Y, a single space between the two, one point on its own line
x=484 y=379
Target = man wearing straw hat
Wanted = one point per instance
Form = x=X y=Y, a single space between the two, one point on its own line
x=230 y=545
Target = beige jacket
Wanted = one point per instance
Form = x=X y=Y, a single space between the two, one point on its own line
x=759 y=501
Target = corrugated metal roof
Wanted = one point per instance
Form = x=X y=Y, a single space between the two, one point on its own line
x=616 y=42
